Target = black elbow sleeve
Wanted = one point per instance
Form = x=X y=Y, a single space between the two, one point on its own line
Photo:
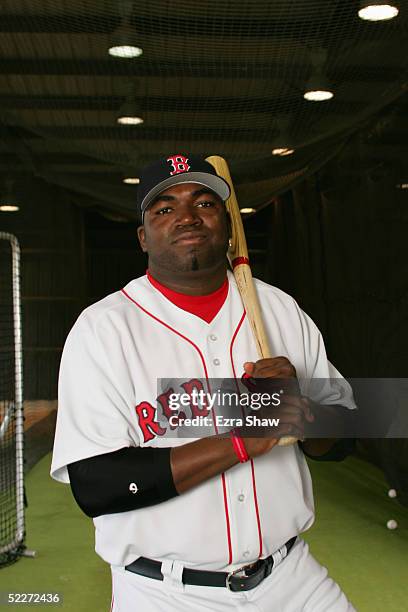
x=340 y=450
x=123 y=480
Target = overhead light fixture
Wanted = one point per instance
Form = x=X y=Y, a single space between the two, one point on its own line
x=124 y=42
x=9 y=207
x=131 y=180
x=127 y=51
x=318 y=95
x=402 y=186
x=282 y=144
x=129 y=115
x=247 y=211
x=129 y=112
x=318 y=88
x=8 y=200
x=377 y=10
x=282 y=151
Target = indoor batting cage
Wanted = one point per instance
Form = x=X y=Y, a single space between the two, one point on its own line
x=12 y=529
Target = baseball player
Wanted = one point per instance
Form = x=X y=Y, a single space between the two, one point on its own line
x=208 y=524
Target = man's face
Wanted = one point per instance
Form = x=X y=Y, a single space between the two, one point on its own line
x=185 y=228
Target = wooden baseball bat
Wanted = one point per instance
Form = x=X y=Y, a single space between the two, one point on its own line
x=239 y=261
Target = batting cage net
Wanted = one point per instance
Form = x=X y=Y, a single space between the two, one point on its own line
x=11 y=404
x=213 y=77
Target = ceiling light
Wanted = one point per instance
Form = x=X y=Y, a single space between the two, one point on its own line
x=9 y=207
x=129 y=113
x=377 y=11
x=402 y=186
x=246 y=211
x=8 y=199
x=126 y=51
x=282 y=143
x=318 y=87
x=318 y=95
x=124 y=42
x=129 y=120
x=282 y=151
x=131 y=180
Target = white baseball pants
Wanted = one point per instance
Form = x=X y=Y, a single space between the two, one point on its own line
x=298 y=584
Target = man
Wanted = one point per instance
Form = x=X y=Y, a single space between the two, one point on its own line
x=196 y=524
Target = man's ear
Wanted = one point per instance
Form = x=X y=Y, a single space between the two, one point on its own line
x=141 y=234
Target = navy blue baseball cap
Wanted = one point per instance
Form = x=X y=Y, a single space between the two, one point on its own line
x=176 y=169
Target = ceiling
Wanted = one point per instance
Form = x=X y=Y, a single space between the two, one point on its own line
x=215 y=77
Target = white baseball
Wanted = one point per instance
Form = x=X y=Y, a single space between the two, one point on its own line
x=392 y=493
x=391 y=524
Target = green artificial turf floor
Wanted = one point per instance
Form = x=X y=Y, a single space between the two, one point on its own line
x=350 y=537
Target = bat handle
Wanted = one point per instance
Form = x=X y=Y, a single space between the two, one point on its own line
x=264 y=353
x=287 y=441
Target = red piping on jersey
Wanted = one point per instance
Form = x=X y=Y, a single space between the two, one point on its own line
x=208 y=384
x=224 y=488
x=232 y=361
x=256 y=508
x=233 y=339
x=258 y=520
x=171 y=329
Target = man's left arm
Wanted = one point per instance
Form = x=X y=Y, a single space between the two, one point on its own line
x=335 y=420
x=324 y=430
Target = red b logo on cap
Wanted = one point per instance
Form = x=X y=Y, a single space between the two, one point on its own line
x=179 y=163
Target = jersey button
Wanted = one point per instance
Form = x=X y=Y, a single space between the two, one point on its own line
x=213 y=337
x=241 y=497
x=216 y=362
x=246 y=553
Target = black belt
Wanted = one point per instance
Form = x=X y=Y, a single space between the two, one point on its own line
x=242 y=579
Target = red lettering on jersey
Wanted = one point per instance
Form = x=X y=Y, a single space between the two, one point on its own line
x=164 y=400
x=150 y=428
x=195 y=385
x=179 y=163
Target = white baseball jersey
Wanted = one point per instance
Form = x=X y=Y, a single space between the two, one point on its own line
x=108 y=400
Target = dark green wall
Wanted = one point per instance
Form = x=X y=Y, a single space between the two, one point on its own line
x=69 y=259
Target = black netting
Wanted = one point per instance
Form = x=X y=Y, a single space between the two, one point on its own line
x=8 y=451
x=215 y=77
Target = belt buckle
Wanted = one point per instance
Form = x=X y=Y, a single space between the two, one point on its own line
x=232 y=574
